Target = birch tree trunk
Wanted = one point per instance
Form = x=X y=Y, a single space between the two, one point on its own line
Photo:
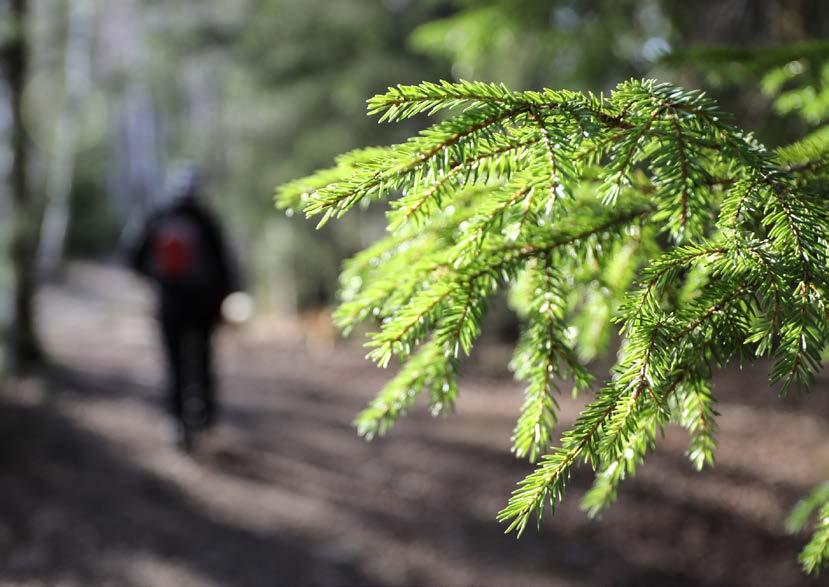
x=61 y=169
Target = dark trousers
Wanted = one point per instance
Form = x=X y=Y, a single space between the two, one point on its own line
x=189 y=350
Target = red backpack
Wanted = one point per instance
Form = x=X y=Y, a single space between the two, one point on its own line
x=177 y=251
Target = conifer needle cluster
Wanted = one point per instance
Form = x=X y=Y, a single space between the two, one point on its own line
x=647 y=209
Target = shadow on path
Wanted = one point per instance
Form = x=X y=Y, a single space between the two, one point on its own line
x=287 y=494
x=71 y=503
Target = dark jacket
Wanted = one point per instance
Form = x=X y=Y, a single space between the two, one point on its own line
x=182 y=301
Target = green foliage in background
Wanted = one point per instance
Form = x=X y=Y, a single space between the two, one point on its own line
x=293 y=87
x=705 y=247
x=794 y=76
x=579 y=44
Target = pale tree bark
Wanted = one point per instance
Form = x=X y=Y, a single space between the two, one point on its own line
x=63 y=150
x=135 y=173
x=24 y=347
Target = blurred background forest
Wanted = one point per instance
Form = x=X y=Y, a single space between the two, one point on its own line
x=258 y=92
x=99 y=98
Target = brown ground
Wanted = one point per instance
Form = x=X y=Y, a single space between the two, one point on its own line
x=92 y=493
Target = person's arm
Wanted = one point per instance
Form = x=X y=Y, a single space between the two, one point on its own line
x=136 y=246
x=227 y=267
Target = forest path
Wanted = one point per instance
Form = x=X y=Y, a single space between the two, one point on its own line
x=285 y=493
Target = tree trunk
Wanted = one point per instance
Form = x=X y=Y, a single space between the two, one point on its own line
x=24 y=347
x=61 y=171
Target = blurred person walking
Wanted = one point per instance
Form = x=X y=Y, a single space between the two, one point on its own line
x=182 y=250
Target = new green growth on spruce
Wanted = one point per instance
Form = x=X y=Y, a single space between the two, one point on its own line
x=646 y=209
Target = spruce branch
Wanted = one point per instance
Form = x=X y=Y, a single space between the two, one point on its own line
x=646 y=205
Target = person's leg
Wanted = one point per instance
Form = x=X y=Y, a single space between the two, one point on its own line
x=172 y=335
x=207 y=375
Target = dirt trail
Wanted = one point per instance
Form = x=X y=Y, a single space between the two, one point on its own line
x=91 y=492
